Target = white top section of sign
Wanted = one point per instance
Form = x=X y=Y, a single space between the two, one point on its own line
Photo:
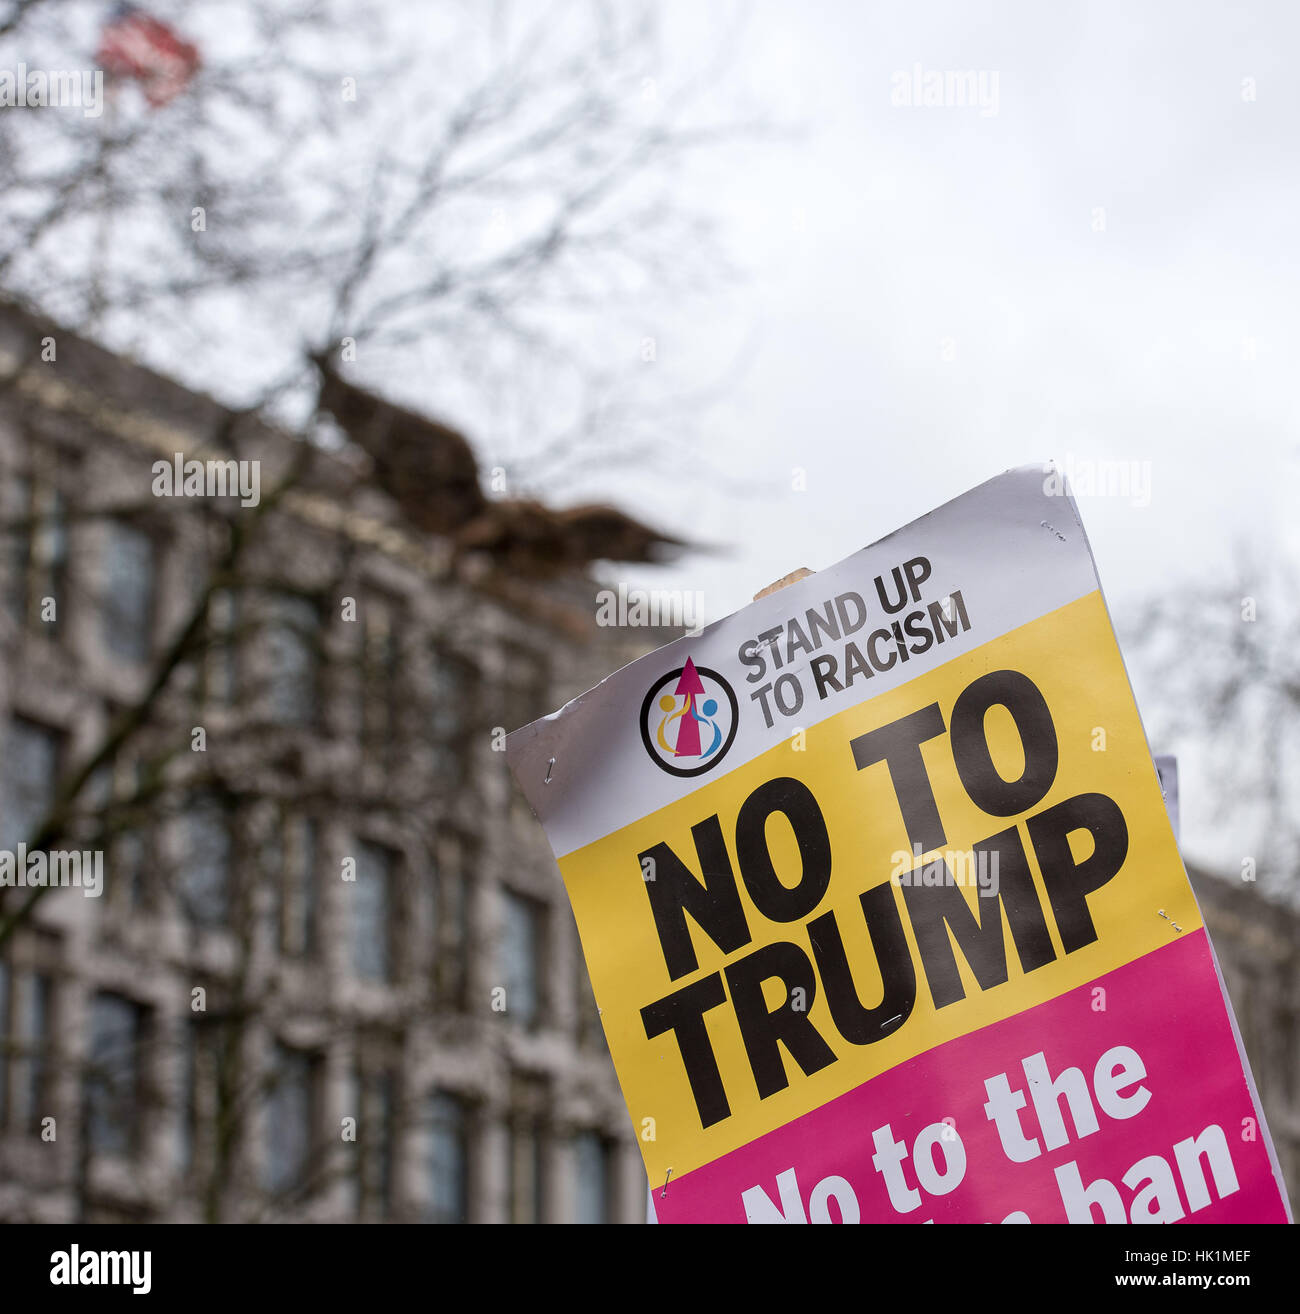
x=1014 y=548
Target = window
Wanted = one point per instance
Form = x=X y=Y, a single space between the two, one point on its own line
x=26 y=1038
x=525 y=1174
x=304 y=890
x=291 y=1109
x=375 y=1113
x=451 y=715
x=28 y=1029
x=205 y=892
x=127 y=605
x=293 y=649
x=525 y=1126
x=39 y=552
x=289 y=860
x=372 y=910
x=275 y=877
x=380 y=673
x=450 y=924
x=34 y=1065
x=31 y=769
x=380 y=1159
x=191 y=1114
x=308 y=890
x=592 y=1161
x=448 y=1159
x=49 y=559
x=204 y=1076
x=522 y=950
x=113 y=1074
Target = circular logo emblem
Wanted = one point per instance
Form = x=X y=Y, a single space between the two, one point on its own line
x=689 y=719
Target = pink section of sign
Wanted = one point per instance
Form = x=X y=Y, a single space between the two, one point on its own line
x=1177 y=1121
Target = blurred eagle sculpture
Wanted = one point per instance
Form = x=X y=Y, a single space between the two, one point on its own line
x=429 y=470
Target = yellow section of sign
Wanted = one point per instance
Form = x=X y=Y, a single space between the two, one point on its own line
x=1071 y=656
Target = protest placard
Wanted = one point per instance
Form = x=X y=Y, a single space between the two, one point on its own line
x=882 y=907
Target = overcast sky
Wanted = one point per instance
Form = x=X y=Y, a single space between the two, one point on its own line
x=933 y=296
x=1093 y=263
x=1101 y=267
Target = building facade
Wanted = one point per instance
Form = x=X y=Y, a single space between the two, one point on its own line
x=331 y=973
x=1258 y=946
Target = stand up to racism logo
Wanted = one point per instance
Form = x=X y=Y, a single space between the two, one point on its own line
x=688 y=720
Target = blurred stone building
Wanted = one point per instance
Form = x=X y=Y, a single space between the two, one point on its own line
x=332 y=974
x=1258 y=946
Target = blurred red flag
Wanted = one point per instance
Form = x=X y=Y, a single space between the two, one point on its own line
x=134 y=45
